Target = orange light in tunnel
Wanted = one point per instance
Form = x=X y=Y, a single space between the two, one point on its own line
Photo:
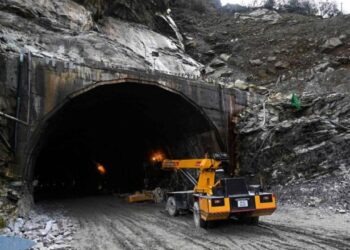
x=157 y=157
x=101 y=169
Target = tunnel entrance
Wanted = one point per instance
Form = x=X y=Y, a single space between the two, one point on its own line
x=107 y=138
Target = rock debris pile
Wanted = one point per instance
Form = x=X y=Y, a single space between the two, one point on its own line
x=51 y=232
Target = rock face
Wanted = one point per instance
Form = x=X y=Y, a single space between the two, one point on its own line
x=133 y=11
x=8 y=106
x=96 y=33
x=262 y=15
x=50 y=14
x=288 y=147
x=285 y=46
x=300 y=154
x=331 y=43
x=200 y=6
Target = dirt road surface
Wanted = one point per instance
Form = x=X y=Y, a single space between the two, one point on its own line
x=108 y=222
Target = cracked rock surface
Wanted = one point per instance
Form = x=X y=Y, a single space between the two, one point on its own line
x=304 y=154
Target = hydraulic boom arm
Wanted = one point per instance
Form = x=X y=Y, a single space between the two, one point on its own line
x=201 y=164
x=207 y=167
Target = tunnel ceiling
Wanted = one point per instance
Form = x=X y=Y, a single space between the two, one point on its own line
x=138 y=102
x=119 y=126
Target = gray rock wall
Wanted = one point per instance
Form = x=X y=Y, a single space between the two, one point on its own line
x=293 y=149
x=8 y=94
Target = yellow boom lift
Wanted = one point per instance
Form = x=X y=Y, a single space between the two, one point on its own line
x=214 y=198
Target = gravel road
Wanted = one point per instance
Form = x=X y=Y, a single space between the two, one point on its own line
x=108 y=222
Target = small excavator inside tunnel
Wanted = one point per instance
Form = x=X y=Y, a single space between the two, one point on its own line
x=104 y=140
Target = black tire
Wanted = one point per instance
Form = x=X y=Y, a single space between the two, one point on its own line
x=198 y=221
x=254 y=220
x=249 y=220
x=171 y=206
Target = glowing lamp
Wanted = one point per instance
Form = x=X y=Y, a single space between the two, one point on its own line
x=101 y=169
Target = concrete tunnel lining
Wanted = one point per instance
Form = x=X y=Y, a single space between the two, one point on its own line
x=91 y=124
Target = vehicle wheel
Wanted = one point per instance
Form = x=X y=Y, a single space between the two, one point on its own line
x=198 y=221
x=171 y=206
x=249 y=220
x=254 y=220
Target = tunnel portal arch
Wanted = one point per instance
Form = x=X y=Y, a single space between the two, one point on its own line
x=118 y=124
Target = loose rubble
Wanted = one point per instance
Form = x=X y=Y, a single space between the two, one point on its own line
x=263 y=15
x=48 y=231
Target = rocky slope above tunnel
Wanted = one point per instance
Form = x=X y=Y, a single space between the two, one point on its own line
x=280 y=51
x=96 y=33
x=302 y=155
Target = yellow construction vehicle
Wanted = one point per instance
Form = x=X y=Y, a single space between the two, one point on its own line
x=216 y=198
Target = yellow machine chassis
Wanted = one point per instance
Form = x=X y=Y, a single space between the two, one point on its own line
x=203 y=193
x=212 y=213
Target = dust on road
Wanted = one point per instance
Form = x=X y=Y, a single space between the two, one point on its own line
x=107 y=222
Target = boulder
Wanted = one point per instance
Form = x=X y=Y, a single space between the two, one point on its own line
x=216 y=63
x=321 y=67
x=240 y=85
x=331 y=44
x=227 y=73
x=13 y=195
x=255 y=62
x=271 y=59
x=47 y=227
x=261 y=15
x=210 y=52
x=341 y=211
x=225 y=57
x=282 y=65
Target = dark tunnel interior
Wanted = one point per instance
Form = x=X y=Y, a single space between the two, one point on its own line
x=105 y=140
